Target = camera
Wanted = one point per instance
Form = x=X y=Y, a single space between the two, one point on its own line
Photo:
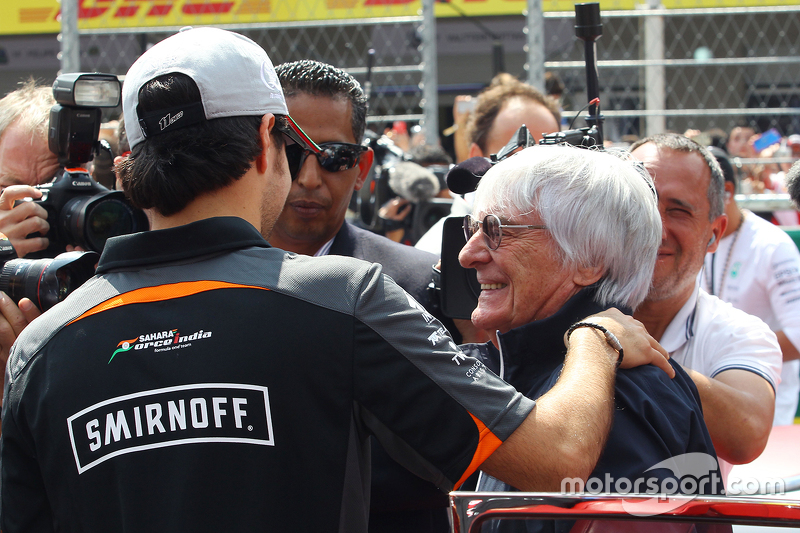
x=45 y=281
x=80 y=211
x=394 y=175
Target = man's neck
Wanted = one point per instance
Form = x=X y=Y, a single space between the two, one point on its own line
x=280 y=239
x=656 y=315
x=292 y=245
x=235 y=200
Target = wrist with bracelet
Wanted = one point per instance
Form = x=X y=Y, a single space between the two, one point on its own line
x=611 y=339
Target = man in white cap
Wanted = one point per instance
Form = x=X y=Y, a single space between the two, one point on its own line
x=204 y=381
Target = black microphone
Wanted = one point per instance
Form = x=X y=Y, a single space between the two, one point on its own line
x=464 y=177
x=413 y=182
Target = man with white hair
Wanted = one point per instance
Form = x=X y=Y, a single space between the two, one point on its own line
x=25 y=161
x=559 y=232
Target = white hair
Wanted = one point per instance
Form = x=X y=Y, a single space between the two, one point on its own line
x=29 y=108
x=600 y=208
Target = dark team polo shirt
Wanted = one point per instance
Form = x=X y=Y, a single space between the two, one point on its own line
x=203 y=381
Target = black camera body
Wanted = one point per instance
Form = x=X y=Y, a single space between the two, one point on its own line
x=81 y=212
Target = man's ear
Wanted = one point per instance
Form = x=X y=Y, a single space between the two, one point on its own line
x=475 y=150
x=587 y=275
x=364 y=164
x=729 y=191
x=264 y=130
x=717 y=231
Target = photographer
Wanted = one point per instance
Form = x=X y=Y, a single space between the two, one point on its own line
x=422 y=196
x=25 y=160
x=500 y=110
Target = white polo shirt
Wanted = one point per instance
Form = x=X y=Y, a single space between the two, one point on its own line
x=758 y=271
x=711 y=336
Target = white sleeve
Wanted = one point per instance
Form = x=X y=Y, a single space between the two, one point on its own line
x=733 y=339
x=783 y=287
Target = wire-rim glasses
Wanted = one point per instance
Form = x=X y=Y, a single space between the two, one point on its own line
x=492 y=229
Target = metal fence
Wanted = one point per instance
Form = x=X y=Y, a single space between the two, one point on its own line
x=676 y=69
x=660 y=69
x=395 y=64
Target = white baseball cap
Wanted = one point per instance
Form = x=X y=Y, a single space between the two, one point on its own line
x=234 y=75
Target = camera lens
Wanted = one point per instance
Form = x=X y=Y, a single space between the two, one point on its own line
x=46 y=281
x=89 y=221
x=106 y=219
x=20 y=278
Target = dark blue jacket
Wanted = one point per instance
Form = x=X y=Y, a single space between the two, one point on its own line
x=655 y=418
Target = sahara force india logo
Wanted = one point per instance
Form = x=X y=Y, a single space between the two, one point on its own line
x=160 y=341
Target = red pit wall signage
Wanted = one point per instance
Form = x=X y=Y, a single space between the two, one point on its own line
x=41 y=16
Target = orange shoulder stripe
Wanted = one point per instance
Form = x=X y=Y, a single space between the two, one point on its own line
x=487 y=444
x=160 y=293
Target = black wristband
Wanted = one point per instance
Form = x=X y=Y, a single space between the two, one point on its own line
x=611 y=339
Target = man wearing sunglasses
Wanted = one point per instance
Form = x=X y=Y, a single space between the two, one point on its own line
x=205 y=381
x=331 y=107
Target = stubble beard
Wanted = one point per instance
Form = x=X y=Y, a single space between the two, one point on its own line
x=272 y=206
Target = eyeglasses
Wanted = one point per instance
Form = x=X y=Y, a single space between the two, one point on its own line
x=332 y=156
x=492 y=229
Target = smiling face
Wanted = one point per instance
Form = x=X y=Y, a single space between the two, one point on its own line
x=681 y=180
x=317 y=203
x=523 y=280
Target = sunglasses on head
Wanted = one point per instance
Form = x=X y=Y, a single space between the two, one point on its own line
x=332 y=156
x=492 y=229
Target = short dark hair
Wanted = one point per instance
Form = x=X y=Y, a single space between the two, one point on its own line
x=553 y=85
x=724 y=163
x=491 y=101
x=167 y=171
x=321 y=79
x=681 y=143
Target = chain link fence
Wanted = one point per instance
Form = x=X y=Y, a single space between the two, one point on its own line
x=699 y=64
x=678 y=69
x=389 y=48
